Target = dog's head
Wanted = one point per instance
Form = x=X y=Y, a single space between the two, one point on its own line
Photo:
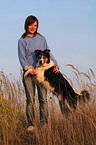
x=42 y=57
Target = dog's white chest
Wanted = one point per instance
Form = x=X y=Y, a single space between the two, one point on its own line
x=41 y=79
x=40 y=74
x=40 y=71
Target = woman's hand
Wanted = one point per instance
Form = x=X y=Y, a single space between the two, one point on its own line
x=56 y=69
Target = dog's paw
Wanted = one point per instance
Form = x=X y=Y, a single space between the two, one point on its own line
x=29 y=67
x=28 y=71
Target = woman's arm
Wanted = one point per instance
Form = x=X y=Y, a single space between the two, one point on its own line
x=53 y=59
x=21 y=54
x=51 y=56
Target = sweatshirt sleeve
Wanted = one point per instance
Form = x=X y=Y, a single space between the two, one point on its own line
x=21 y=54
x=51 y=56
x=53 y=59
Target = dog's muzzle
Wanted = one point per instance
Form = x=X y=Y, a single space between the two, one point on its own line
x=40 y=62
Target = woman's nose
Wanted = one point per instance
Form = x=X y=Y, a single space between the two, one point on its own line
x=32 y=26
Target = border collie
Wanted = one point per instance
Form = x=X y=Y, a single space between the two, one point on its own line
x=56 y=82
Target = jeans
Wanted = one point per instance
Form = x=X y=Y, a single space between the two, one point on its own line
x=30 y=83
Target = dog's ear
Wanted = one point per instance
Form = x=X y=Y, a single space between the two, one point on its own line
x=46 y=50
x=37 y=51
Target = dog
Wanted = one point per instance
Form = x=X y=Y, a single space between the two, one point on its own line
x=56 y=82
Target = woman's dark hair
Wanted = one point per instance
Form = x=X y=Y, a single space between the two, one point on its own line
x=29 y=20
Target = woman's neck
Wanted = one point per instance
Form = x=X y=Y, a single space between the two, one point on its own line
x=31 y=35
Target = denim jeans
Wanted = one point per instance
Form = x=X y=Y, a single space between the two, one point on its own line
x=30 y=83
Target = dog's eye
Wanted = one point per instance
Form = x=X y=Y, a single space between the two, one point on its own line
x=39 y=56
x=44 y=57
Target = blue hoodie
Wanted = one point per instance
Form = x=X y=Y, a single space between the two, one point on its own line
x=26 y=48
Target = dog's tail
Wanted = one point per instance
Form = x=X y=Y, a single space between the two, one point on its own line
x=84 y=95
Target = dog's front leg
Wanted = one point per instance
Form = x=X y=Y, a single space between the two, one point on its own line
x=27 y=72
x=29 y=69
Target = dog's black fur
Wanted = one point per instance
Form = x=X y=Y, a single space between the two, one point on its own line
x=62 y=89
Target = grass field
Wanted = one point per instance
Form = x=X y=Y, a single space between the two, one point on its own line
x=76 y=128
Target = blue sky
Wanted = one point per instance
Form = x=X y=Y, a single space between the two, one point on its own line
x=69 y=27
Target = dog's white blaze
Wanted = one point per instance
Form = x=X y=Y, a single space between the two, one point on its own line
x=42 y=59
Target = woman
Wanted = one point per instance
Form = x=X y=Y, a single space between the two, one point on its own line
x=27 y=44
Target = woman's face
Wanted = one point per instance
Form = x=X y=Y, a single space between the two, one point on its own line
x=32 y=28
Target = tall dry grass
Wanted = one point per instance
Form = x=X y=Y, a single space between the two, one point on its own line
x=76 y=128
